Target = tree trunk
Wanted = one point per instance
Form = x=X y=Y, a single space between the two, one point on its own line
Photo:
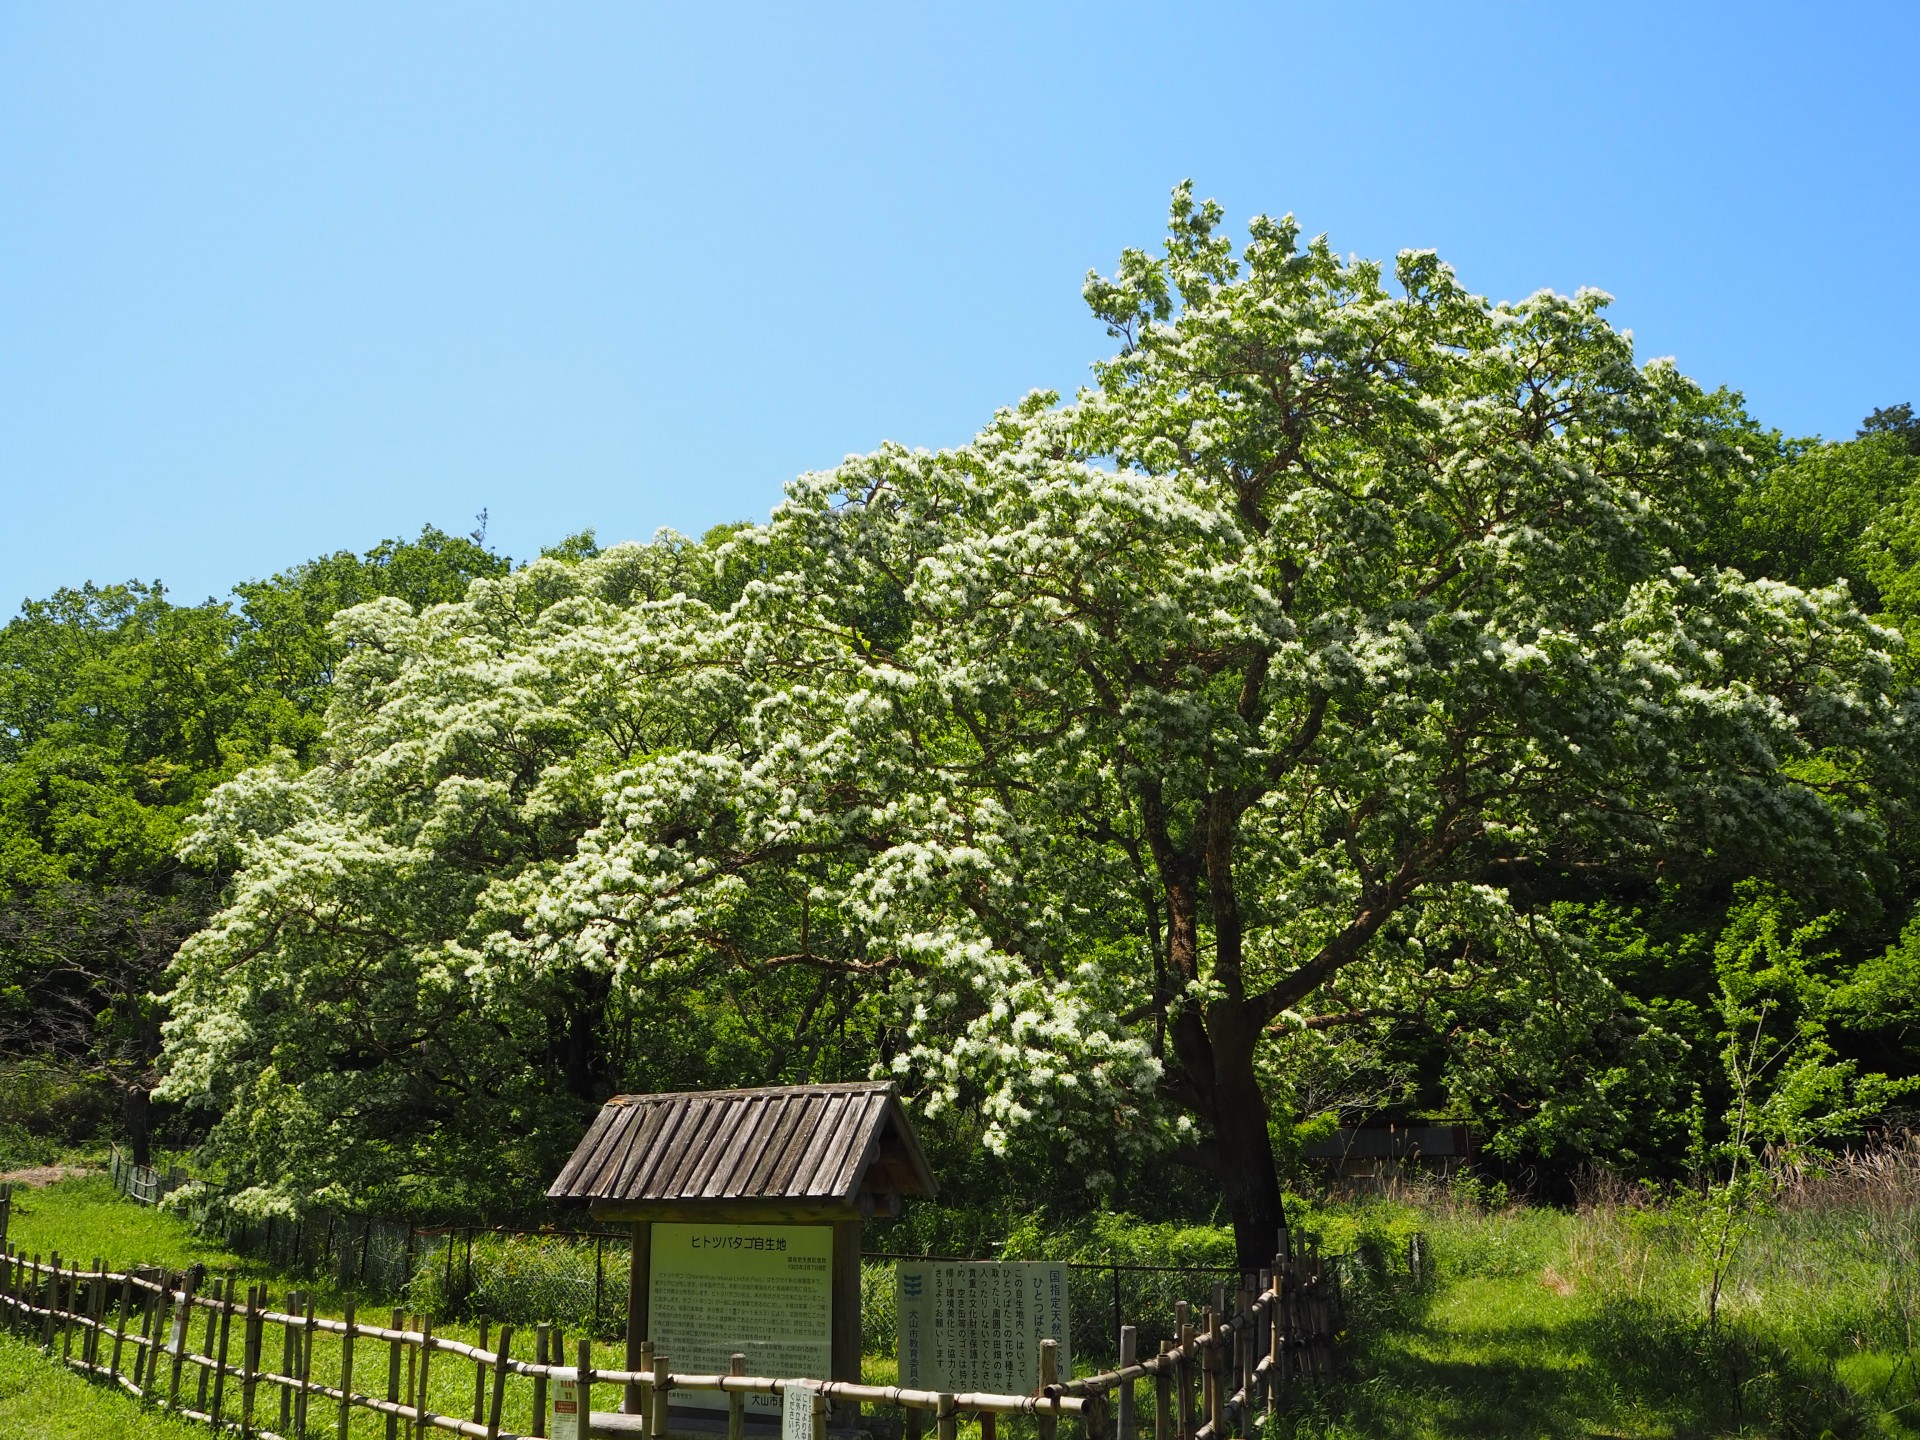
x=581 y=1061
x=1241 y=1149
x=136 y=1116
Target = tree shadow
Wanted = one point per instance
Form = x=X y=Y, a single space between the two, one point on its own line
x=1599 y=1368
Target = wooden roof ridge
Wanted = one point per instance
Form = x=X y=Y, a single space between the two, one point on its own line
x=798 y=1144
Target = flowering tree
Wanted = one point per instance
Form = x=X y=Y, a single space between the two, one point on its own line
x=1101 y=756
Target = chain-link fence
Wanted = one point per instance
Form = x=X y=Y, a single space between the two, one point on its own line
x=578 y=1278
x=142 y=1182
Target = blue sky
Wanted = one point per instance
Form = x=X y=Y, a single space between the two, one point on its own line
x=282 y=279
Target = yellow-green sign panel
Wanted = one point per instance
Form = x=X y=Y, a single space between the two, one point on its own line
x=764 y=1291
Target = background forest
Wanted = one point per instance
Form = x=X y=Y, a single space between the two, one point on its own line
x=1262 y=742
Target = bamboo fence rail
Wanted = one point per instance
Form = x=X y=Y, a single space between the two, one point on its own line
x=206 y=1356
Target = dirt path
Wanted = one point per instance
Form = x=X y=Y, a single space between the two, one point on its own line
x=45 y=1174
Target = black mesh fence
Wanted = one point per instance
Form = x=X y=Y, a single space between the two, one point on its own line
x=578 y=1278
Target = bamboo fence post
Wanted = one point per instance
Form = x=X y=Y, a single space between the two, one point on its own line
x=1163 y=1394
x=1182 y=1369
x=819 y=1416
x=393 y=1374
x=1210 y=1374
x=480 y=1377
x=1243 y=1337
x=585 y=1346
x=662 y=1387
x=303 y=1400
x=645 y=1389
x=945 y=1420
x=287 y=1365
x=120 y=1328
x=68 y=1305
x=1094 y=1416
x=96 y=1316
x=341 y=1421
x=503 y=1344
x=143 y=1356
x=413 y=1386
x=1049 y=1378
x=426 y=1355
x=220 y=1354
x=736 y=1402
x=540 y=1354
x=52 y=1296
x=177 y=1335
x=206 y=1348
x=1128 y=1340
x=250 y=1338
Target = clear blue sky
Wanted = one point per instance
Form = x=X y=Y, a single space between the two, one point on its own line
x=278 y=279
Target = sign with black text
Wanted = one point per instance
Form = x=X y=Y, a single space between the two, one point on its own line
x=978 y=1325
x=763 y=1291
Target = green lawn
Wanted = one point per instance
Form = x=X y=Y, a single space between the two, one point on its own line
x=1539 y=1323
x=1531 y=1323
x=41 y=1401
x=84 y=1218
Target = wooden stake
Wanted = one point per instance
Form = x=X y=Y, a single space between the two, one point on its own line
x=480 y=1377
x=1183 y=1372
x=426 y=1355
x=1049 y=1377
x=1128 y=1340
x=586 y=1386
x=220 y=1353
x=304 y=1358
x=206 y=1348
x=177 y=1335
x=540 y=1357
x=644 y=1390
x=504 y=1344
x=1163 y=1395
x=413 y=1386
x=120 y=1328
x=736 y=1402
x=341 y=1420
x=393 y=1376
x=662 y=1386
x=250 y=1339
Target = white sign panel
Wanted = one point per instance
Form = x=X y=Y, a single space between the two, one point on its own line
x=796 y=1412
x=568 y=1422
x=978 y=1326
x=763 y=1291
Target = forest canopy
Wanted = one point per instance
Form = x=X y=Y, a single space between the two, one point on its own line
x=1364 y=698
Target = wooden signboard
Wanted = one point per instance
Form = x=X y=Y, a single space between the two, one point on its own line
x=978 y=1326
x=763 y=1291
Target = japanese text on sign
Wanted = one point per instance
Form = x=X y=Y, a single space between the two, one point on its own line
x=978 y=1326
x=763 y=1291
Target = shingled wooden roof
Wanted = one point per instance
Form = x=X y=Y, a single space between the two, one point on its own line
x=798 y=1145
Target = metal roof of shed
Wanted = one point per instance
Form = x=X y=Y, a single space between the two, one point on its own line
x=822 y=1144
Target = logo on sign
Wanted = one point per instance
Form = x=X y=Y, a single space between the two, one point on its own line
x=566 y=1411
x=912 y=1284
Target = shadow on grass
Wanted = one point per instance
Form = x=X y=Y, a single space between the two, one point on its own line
x=1556 y=1366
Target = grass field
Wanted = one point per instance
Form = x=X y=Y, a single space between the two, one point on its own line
x=1528 y=1323
x=1543 y=1323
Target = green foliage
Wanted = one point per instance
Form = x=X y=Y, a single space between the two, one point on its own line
x=119 y=712
x=1084 y=777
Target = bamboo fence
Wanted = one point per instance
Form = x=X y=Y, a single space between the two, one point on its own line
x=208 y=1356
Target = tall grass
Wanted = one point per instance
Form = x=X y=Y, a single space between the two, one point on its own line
x=1594 y=1321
